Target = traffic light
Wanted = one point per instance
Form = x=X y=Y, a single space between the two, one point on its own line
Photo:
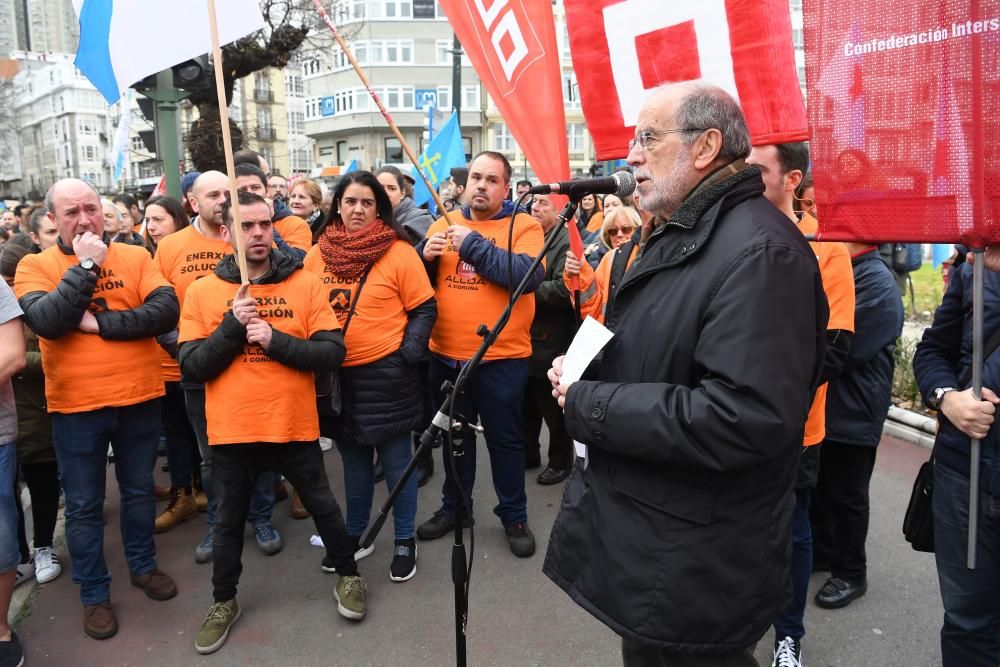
x=190 y=75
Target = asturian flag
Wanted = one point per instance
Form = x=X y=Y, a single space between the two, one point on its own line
x=443 y=153
x=115 y=48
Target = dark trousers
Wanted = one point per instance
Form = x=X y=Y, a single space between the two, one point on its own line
x=640 y=655
x=43 y=485
x=791 y=620
x=495 y=393
x=970 y=636
x=182 y=444
x=236 y=468
x=841 y=508
x=540 y=405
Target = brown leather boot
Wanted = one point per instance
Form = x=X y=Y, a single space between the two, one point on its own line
x=296 y=509
x=99 y=620
x=280 y=490
x=157 y=584
x=161 y=492
x=200 y=497
x=182 y=506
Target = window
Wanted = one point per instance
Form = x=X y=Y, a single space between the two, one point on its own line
x=444 y=54
x=571 y=91
x=797 y=38
x=389 y=52
x=444 y=97
x=574 y=137
x=293 y=84
x=264 y=118
x=391 y=9
x=341 y=152
x=296 y=124
x=310 y=67
x=345 y=11
x=393 y=150
x=503 y=140
x=470 y=97
x=395 y=98
x=312 y=107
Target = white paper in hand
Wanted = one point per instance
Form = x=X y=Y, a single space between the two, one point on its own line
x=589 y=341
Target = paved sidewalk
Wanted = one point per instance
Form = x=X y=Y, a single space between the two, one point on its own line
x=517 y=617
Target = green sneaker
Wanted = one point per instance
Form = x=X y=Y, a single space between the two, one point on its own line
x=350 y=594
x=215 y=630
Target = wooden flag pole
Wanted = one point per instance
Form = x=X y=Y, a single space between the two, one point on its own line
x=385 y=114
x=227 y=143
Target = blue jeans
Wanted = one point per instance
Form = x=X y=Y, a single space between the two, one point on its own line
x=359 y=483
x=81 y=443
x=182 y=445
x=262 y=500
x=970 y=636
x=10 y=549
x=495 y=394
x=790 y=620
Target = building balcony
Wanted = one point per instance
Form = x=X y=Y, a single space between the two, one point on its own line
x=266 y=133
x=263 y=95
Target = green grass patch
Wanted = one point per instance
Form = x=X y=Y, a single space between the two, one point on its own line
x=928 y=289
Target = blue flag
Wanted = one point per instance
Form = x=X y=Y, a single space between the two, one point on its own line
x=353 y=166
x=443 y=153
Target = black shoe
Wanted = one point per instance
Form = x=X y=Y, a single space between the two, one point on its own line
x=425 y=470
x=520 y=539
x=837 y=593
x=404 y=560
x=532 y=461
x=440 y=525
x=552 y=475
x=11 y=654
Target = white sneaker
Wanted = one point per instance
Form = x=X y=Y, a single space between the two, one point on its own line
x=47 y=565
x=325 y=444
x=25 y=571
x=787 y=654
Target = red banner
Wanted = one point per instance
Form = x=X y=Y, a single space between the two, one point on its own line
x=905 y=115
x=512 y=45
x=623 y=49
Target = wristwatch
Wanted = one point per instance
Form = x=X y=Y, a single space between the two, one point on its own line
x=89 y=264
x=938 y=396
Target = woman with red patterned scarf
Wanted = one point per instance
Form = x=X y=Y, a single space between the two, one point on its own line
x=383 y=298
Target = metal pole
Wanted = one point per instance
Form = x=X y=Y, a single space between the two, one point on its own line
x=167 y=98
x=977 y=391
x=456 y=78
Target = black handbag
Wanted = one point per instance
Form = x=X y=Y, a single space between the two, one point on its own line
x=918 y=523
x=329 y=400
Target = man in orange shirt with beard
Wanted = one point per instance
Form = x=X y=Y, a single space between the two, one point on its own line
x=256 y=348
x=97 y=308
x=470 y=261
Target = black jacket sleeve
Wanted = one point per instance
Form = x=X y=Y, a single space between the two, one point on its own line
x=324 y=351
x=838 y=347
x=157 y=315
x=59 y=312
x=431 y=266
x=420 y=322
x=202 y=360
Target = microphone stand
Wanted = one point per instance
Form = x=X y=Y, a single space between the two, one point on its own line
x=444 y=422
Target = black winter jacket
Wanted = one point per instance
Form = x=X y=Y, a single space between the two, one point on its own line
x=202 y=360
x=858 y=399
x=383 y=399
x=555 y=322
x=944 y=357
x=55 y=314
x=678 y=533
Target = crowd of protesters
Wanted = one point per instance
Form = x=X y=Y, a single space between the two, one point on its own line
x=740 y=402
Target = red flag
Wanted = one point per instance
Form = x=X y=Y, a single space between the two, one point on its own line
x=576 y=245
x=512 y=45
x=623 y=49
x=161 y=188
x=902 y=104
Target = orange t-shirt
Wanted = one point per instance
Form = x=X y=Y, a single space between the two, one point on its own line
x=465 y=300
x=596 y=284
x=182 y=258
x=838 y=283
x=595 y=222
x=397 y=283
x=84 y=372
x=295 y=231
x=258 y=399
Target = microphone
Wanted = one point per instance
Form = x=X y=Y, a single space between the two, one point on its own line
x=621 y=183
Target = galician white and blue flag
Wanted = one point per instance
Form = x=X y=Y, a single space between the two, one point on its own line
x=120 y=151
x=116 y=45
x=443 y=153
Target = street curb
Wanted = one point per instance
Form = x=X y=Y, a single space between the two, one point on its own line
x=909 y=426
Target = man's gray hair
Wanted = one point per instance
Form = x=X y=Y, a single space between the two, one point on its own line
x=50 y=203
x=708 y=106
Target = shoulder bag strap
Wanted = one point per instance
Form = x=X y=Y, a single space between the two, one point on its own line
x=991 y=346
x=354 y=302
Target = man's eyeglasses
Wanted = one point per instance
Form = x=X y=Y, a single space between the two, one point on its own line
x=644 y=137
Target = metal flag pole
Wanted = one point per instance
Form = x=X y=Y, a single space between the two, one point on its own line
x=227 y=143
x=385 y=114
x=977 y=392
